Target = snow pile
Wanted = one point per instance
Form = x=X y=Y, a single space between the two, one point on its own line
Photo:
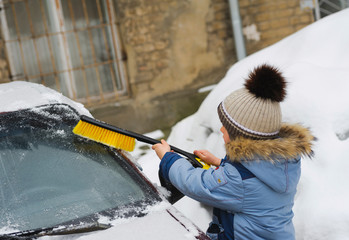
x=315 y=62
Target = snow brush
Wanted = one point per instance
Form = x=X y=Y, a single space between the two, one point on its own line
x=115 y=137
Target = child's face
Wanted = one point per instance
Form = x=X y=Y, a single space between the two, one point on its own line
x=226 y=137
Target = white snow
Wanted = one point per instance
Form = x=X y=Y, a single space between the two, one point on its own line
x=251 y=32
x=315 y=62
x=207 y=88
x=156 y=225
x=21 y=95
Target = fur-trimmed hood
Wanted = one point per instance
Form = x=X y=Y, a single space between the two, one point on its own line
x=294 y=141
x=275 y=162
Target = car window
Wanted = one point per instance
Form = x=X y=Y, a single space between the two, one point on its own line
x=49 y=176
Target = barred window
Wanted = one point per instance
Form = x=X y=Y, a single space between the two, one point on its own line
x=72 y=46
x=324 y=8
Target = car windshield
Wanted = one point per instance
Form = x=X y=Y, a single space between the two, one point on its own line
x=50 y=177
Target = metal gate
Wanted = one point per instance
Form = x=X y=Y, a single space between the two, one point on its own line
x=69 y=45
x=324 y=8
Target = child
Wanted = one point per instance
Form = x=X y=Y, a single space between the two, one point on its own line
x=252 y=189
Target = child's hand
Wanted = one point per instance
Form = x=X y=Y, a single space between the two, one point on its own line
x=161 y=148
x=208 y=157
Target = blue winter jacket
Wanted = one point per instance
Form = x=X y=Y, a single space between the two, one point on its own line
x=253 y=189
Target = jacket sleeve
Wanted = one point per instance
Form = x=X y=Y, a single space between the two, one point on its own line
x=221 y=187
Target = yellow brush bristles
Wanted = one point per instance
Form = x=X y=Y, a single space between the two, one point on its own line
x=104 y=136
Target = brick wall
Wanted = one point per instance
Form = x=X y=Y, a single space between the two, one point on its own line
x=219 y=28
x=265 y=22
x=4 y=72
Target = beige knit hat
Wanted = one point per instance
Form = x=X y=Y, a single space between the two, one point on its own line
x=254 y=111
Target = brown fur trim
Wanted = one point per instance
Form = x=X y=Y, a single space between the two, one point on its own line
x=293 y=141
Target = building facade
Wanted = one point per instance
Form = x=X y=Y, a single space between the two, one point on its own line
x=137 y=64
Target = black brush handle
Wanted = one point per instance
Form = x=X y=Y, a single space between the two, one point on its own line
x=191 y=157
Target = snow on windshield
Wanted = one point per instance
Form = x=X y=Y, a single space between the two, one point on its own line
x=315 y=63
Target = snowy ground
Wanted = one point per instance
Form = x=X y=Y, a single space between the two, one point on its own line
x=315 y=62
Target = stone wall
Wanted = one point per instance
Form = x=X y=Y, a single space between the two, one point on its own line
x=171 y=43
x=4 y=71
x=173 y=48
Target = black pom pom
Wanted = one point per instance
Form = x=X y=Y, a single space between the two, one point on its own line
x=267 y=82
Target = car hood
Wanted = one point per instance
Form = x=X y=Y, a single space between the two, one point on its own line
x=160 y=223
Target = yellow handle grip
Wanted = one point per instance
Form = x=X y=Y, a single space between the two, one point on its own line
x=204 y=165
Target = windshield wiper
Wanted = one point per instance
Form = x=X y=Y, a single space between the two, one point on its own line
x=61 y=230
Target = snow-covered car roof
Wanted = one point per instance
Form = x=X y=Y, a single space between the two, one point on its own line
x=21 y=95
